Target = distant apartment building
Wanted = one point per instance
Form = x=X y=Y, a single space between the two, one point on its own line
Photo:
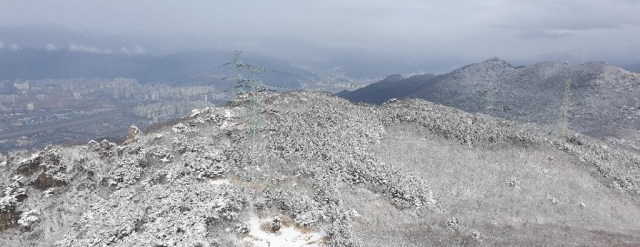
x=5 y=109
x=8 y=99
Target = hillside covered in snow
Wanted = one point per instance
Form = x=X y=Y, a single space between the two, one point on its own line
x=321 y=171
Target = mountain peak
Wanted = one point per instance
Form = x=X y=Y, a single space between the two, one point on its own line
x=497 y=61
x=394 y=78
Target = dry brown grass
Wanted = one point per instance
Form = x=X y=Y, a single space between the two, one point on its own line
x=239 y=182
x=324 y=240
x=305 y=229
x=266 y=227
x=286 y=221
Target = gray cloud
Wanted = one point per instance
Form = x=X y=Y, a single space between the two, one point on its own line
x=561 y=15
x=137 y=50
x=88 y=49
x=15 y=47
x=543 y=34
x=1 y=45
x=50 y=47
x=414 y=29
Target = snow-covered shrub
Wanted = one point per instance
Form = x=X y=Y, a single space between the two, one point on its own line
x=453 y=224
x=275 y=224
x=164 y=215
x=11 y=196
x=28 y=219
x=126 y=172
x=105 y=148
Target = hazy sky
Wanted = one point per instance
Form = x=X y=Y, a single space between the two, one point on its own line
x=520 y=30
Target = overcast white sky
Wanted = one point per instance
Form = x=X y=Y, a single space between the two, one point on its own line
x=521 y=30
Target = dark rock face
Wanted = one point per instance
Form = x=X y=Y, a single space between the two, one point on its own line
x=330 y=173
x=602 y=98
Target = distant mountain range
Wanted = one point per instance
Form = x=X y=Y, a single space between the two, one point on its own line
x=36 y=64
x=603 y=99
x=48 y=51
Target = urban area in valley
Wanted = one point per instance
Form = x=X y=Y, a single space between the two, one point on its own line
x=36 y=113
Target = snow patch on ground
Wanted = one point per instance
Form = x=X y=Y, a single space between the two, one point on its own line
x=227 y=118
x=219 y=181
x=286 y=236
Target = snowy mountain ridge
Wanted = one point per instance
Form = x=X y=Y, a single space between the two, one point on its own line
x=327 y=173
x=602 y=98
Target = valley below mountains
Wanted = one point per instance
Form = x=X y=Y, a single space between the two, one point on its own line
x=311 y=169
x=601 y=99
